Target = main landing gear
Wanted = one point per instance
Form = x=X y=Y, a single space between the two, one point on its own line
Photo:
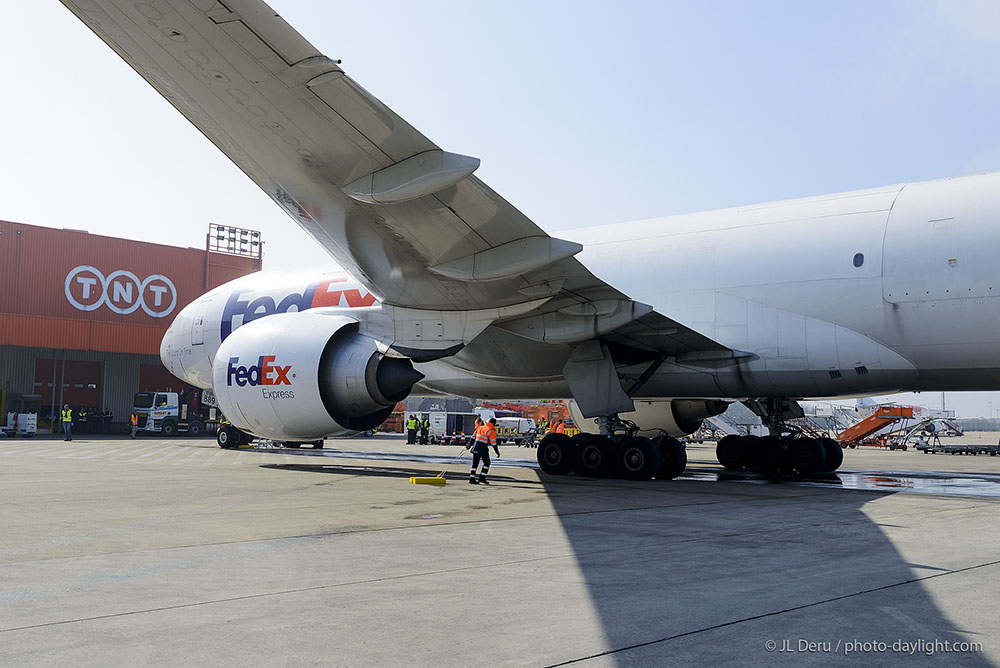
x=780 y=454
x=625 y=455
x=788 y=449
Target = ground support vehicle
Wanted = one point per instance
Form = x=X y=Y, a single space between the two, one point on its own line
x=169 y=413
x=452 y=428
x=966 y=449
x=24 y=425
x=517 y=430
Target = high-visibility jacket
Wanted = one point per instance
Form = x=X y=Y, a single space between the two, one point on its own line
x=135 y=420
x=67 y=415
x=560 y=428
x=426 y=424
x=487 y=434
x=412 y=424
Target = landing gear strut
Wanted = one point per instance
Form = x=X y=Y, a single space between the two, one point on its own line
x=618 y=451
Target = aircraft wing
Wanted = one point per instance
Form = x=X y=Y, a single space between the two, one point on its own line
x=409 y=220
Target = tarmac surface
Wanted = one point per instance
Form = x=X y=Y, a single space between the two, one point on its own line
x=160 y=552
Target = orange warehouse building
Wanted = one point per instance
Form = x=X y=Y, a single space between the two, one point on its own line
x=82 y=315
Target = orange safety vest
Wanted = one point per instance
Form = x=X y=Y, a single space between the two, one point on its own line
x=135 y=420
x=487 y=434
x=560 y=428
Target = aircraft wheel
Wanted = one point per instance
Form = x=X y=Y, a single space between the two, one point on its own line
x=834 y=454
x=228 y=437
x=807 y=455
x=771 y=454
x=595 y=456
x=673 y=458
x=638 y=458
x=556 y=454
x=731 y=450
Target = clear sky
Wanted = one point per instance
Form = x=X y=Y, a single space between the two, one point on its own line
x=583 y=113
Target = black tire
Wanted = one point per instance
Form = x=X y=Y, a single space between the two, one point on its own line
x=673 y=458
x=168 y=428
x=195 y=429
x=245 y=438
x=834 y=454
x=595 y=456
x=731 y=450
x=771 y=454
x=638 y=458
x=556 y=454
x=228 y=437
x=903 y=448
x=807 y=455
x=749 y=456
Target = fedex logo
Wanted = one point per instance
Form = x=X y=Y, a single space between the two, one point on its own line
x=320 y=293
x=261 y=373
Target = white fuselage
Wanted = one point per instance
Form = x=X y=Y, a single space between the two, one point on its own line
x=873 y=291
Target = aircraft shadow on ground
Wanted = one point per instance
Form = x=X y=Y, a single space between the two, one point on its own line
x=706 y=571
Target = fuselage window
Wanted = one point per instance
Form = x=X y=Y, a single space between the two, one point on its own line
x=859 y=259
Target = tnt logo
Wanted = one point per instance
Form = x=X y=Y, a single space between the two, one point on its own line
x=261 y=373
x=87 y=289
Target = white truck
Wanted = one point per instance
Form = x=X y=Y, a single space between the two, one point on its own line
x=517 y=430
x=164 y=413
x=458 y=428
x=21 y=424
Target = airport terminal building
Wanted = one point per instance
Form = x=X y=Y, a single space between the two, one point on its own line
x=82 y=315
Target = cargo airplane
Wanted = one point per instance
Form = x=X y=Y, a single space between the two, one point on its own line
x=648 y=327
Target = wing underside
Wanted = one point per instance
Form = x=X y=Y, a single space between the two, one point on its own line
x=407 y=219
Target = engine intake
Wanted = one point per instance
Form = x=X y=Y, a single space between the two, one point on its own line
x=303 y=376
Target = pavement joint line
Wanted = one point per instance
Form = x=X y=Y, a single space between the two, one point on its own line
x=773 y=613
x=435 y=524
x=515 y=562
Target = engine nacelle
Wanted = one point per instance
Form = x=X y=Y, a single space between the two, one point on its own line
x=677 y=417
x=303 y=376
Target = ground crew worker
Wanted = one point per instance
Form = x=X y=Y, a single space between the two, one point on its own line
x=543 y=426
x=560 y=427
x=81 y=421
x=411 y=430
x=67 y=422
x=486 y=436
x=425 y=427
x=135 y=424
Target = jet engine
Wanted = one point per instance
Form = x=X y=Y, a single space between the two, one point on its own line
x=303 y=376
x=677 y=417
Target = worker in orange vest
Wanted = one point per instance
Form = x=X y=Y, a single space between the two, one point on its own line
x=560 y=427
x=486 y=436
x=135 y=424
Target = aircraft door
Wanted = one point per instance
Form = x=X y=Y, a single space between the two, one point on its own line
x=198 y=323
